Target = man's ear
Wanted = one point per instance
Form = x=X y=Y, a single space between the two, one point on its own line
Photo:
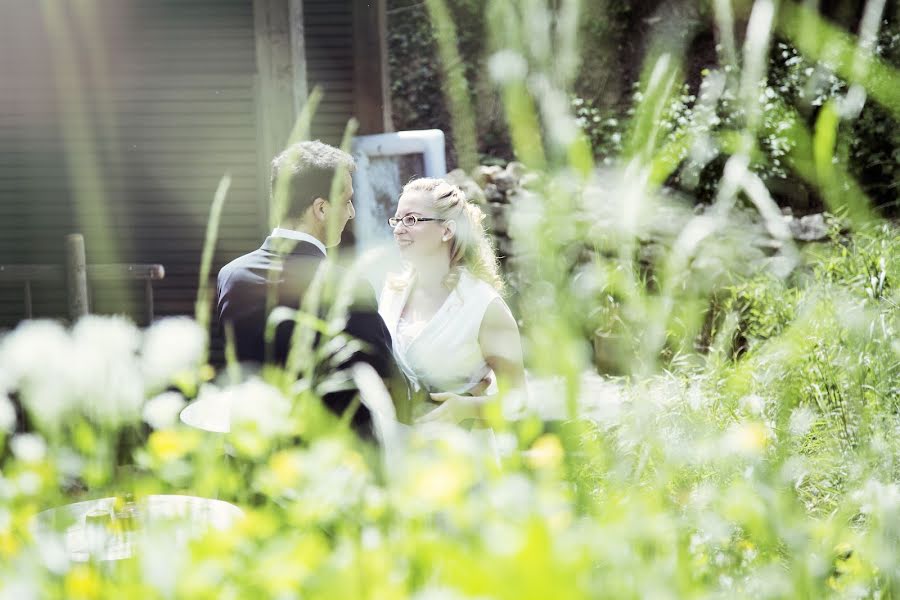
x=320 y=209
x=449 y=230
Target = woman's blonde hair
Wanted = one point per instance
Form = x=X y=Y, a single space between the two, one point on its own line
x=470 y=246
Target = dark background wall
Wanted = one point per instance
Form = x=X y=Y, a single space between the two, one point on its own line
x=119 y=117
x=118 y=123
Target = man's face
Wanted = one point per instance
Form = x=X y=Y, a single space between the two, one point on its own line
x=344 y=211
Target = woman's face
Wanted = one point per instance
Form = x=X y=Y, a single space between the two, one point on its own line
x=425 y=238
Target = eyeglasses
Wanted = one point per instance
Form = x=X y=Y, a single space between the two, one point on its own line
x=409 y=220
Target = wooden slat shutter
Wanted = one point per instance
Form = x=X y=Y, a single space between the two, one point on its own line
x=328 y=33
x=119 y=122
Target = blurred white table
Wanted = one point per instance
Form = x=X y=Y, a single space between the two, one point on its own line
x=91 y=528
x=208 y=415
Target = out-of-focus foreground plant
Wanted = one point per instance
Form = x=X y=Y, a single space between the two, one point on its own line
x=753 y=452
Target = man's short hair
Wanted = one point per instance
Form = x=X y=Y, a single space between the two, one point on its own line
x=308 y=168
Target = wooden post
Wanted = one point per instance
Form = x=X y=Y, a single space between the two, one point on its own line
x=274 y=88
x=298 y=55
x=371 y=90
x=148 y=298
x=28 y=306
x=76 y=276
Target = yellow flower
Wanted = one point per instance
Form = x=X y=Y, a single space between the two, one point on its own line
x=285 y=466
x=748 y=438
x=546 y=452
x=82 y=582
x=256 y=524
x=847 y=567
x=442 y=482
x=169 y=444
x=8 y=544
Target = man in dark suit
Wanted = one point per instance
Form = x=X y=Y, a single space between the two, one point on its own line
x=281 y=272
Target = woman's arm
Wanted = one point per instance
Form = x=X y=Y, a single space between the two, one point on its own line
x=501 y=346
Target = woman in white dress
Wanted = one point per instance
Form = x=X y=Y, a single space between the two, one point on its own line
x=452 y=331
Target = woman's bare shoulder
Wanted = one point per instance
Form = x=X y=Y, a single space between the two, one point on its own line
x=498 y=317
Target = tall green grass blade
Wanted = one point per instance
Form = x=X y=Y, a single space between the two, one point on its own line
x=279 y=201
x=300 y=361
x=840 y=190
x=660 y=83
x=460 y=103
x=232 y=366
x=581 y=156
x=756 y=60
x=337 y=188
x=307 y=324
x=524 y=125
x=202 y=306
x=724 y=15
x=667 y=160
x=825 y=142
x=299 y=133
x=820 y=40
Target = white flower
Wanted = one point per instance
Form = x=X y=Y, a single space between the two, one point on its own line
x=746 y=438
x=697 y=400
x=331 y=480
x=31 y=349
x=261 y=404
x=878 y=498
x=512 y=496
x=171 y=346
x=162 y=411
x=28 y=483
x=37 y=359
x=7 y=414
x=119 y=400
x=160 y=558
x=753 y=404
x=6 y=383
x=69 y=462
x=106 y=376
x=113 y=335
x=52 y=550
x=801 y=421
x=336 y=476
x=28 y=447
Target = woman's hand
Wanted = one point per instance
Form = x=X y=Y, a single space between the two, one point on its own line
x=481 y=387
x=454 y=408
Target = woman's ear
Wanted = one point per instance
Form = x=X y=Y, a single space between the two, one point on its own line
x=449 y=230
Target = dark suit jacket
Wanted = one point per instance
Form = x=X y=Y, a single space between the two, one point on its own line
x=242 y=289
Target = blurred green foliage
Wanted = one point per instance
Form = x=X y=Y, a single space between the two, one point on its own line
x=612 y=39
x=751 y=451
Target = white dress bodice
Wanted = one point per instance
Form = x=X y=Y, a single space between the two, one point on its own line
x=441 y=354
